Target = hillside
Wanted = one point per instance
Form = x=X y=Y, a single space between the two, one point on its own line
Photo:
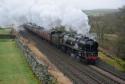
x=100 y=12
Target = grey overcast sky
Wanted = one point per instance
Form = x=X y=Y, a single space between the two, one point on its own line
x=90 y=4
x=82 y=4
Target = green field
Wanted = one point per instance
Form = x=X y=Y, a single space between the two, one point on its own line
x=13 y=66
x=4 y=31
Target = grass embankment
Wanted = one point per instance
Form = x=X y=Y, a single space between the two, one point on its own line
x=4 y=31
x=115 y=62
x=13 y=66
x=109 y=43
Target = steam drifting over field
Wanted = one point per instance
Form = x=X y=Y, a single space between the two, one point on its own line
x=44 y=13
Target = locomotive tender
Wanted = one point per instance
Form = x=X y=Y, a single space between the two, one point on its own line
x=81 y=47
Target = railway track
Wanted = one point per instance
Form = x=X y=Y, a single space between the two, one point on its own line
x=79 y=73
x=108 y=74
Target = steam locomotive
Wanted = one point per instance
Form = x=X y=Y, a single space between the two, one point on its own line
x=76 y=45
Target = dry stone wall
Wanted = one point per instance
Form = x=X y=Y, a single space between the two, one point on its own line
x=38 y=67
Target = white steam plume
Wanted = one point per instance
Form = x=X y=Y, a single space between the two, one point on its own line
x=44 y=13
